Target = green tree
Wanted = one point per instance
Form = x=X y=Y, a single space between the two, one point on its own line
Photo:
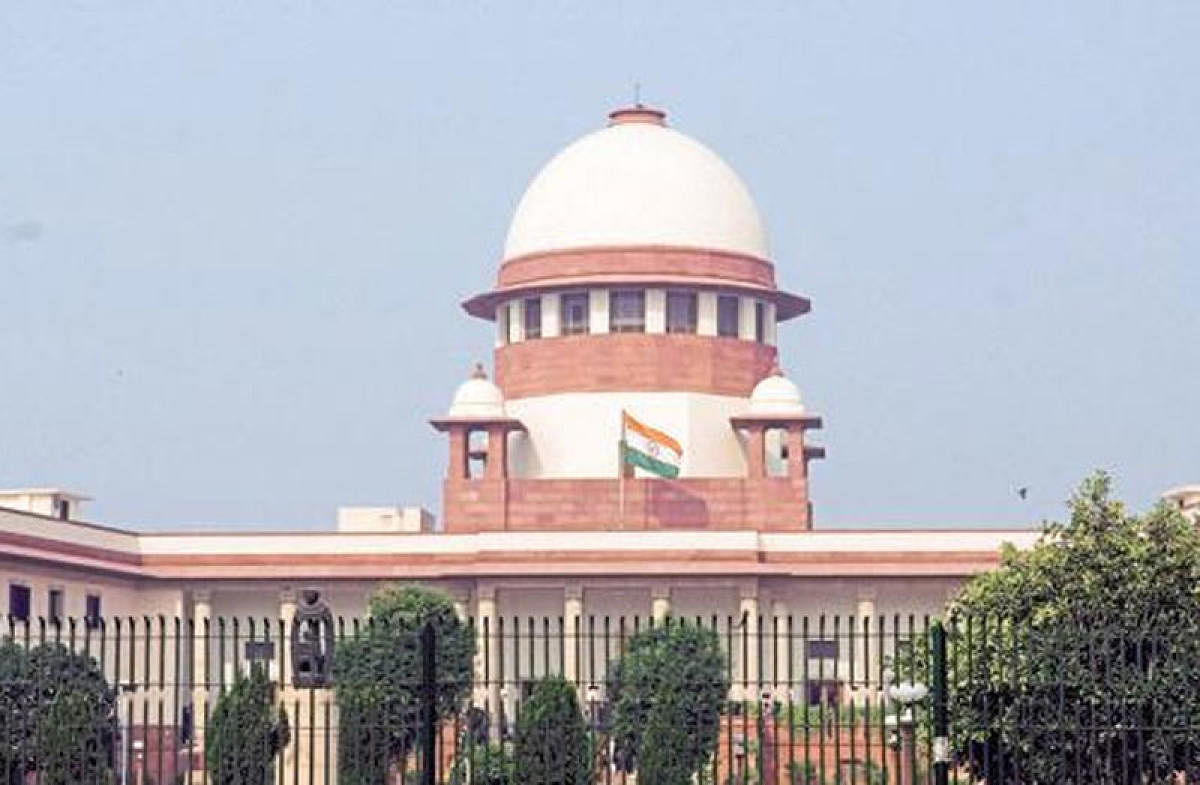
x=57 y=716
x=667 y=692
x=377 y=679
x=247 y=731
x=1078 y=660
x=552 y=746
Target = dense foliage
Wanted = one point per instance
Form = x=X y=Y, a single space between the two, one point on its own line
x=377 y=679
x=667 y=692
x=246 y=733
x=1078 y=661
x=58 y=716
x=480 y=763
x=552 y=746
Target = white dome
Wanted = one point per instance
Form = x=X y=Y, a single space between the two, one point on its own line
x=636 y=183
x=776 y=394
x=477 y=397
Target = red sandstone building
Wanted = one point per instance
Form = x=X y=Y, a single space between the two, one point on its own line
x=635 y=278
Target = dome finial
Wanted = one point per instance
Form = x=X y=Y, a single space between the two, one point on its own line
x=479 y=373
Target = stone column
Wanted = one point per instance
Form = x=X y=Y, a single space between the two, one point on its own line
x=287 y=612
x=462 y=604
x=457 y=466
x=287 y=695
x=487 y=656
x=660 y=603
x=867 y=634
x=781 y=679
x=573 y=631
x=756 y=448
x=747 y=641
x=797 y=465
x=496 y=463
x=201 y=614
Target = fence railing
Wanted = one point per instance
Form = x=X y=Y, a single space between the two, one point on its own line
x=734 y=700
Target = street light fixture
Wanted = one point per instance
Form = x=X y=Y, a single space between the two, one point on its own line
x=903 y=737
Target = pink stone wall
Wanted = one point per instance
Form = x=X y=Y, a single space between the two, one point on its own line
x=761 y=504
x=632 y=362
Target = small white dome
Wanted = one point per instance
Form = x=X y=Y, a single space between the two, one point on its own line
x=636 y=182
x=477 y=397
x=776 y=394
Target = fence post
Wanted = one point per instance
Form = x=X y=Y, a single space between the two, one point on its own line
x=941 y=740
x=429 y=703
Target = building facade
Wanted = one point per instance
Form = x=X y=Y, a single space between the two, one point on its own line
x=635 y=280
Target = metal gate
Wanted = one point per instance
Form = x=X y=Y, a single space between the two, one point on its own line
x=718 y=700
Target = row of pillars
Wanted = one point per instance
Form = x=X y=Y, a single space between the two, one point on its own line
x=747 y=674
x=488 y=643
x=793 y=443
x=494 y=457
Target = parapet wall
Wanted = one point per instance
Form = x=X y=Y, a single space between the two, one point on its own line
x=694 y=503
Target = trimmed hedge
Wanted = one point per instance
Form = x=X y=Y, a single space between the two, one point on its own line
x=552 y=746
x=247 y=731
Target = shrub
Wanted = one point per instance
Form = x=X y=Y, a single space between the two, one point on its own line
x=552 y=743
x=482 y=764
x=377 y=679
x=667 y=693
x=58 y=716
x=246 y=732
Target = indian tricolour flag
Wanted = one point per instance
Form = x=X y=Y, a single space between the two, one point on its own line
x=649 y=448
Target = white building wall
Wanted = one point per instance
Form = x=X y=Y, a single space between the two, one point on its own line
x=516 y=321
x=598 y=311
x=706 y=313
x=656 y=311
x=746 y=318
x=575 y=434
x=550 y=315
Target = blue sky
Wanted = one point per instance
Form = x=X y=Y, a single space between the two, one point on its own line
x=233 y=237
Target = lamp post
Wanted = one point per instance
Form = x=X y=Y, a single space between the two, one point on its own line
x=592 y=694
x=766 y=737
x=905 y=695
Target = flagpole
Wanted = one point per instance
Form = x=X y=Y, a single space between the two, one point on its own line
x=621 y=474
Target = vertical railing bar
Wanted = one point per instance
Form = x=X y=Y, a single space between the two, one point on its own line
x=821 y=700
x=855 y=705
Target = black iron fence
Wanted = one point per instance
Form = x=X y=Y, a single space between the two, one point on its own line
x=712 y=699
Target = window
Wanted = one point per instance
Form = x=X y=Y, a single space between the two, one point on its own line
x=760 y=321
x=574 y=313
x=727 y=315
x=681 y=312
x=822 y=691
x=823 y=650
x=92 y=610
x=64 y=509
x=54 y=605
x=627 y=312
x=533 y=318
x=18 y=602
x=477 y=453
